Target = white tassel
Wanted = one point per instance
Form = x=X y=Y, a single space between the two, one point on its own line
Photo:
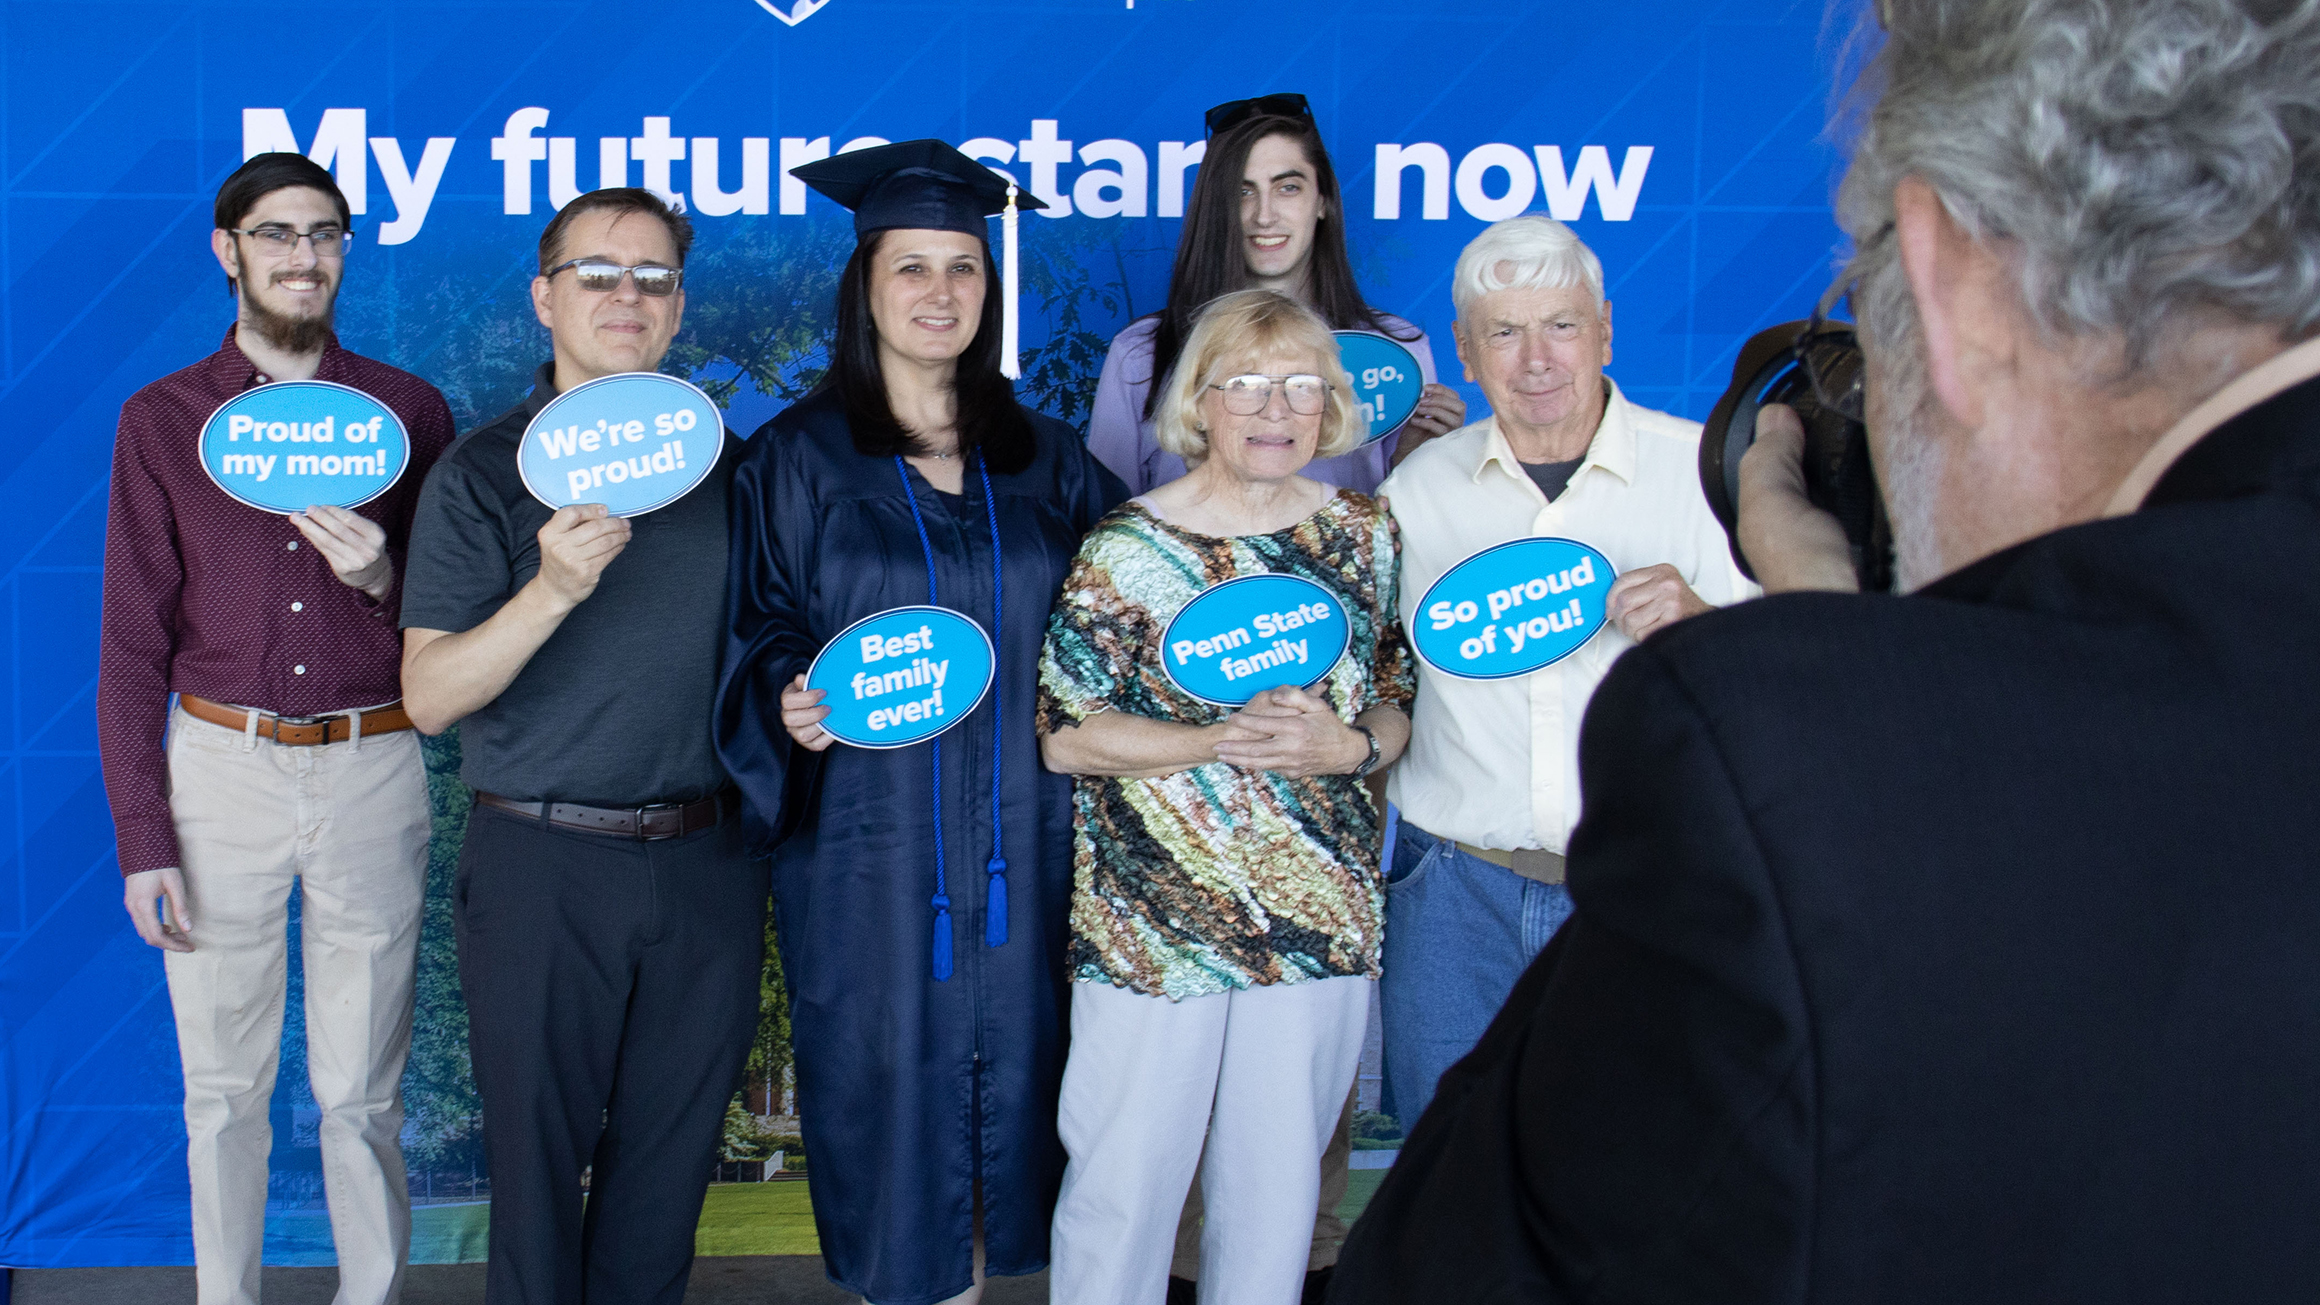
x=1010 y=365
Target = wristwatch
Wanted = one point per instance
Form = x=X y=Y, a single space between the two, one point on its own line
x=1370 y=762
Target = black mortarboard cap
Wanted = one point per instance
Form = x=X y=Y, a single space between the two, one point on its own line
x=921 y=185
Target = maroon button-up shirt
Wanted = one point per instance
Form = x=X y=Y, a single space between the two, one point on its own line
x=207 y=596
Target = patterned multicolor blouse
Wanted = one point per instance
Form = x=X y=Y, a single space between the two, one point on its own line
x=1217 y=878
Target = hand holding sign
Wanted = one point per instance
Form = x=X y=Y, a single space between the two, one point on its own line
x=354 y=545
x=802 y=714
x=1649 y=597
x=576 y=544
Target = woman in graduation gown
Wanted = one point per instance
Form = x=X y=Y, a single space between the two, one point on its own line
x=921 y=892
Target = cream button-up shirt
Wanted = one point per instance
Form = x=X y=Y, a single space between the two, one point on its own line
x=1496 y=762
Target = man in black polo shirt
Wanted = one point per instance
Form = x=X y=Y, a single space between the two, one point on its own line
x=610 y=927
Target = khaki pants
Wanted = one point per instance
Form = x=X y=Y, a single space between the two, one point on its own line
x=347 y=824
x=1263 y=1072
x=1328 y=1229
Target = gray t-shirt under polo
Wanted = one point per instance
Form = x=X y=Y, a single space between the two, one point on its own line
x=1553 y=478
x=614 y=709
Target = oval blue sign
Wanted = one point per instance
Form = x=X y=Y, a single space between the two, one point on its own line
x=1386 y=379
x=1513 y=608
x=293 y=445
x=902 y=676
x=1251 y=633
x=633 y=442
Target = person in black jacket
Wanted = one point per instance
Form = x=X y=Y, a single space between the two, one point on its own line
x=1960 y=945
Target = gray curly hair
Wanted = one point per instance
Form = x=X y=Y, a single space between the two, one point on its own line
x=2147 y=166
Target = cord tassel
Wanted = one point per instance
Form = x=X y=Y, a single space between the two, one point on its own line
x=995 y=905
x=942 y=938
x=1010 y=364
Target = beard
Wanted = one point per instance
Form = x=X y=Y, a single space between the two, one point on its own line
x=1910 y=460
x=291 y=335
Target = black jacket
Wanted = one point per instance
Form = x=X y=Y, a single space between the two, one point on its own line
x=1959 y=948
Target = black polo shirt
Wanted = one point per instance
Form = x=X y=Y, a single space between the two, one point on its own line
x=614 y=709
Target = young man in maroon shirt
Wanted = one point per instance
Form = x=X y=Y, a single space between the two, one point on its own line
x=288 y=758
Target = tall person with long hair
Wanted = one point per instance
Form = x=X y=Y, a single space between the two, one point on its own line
x=1264 y=214
x=921 y=892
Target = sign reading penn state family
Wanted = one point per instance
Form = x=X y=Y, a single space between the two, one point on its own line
x=293 y=445
x=1513 y=608
x=633 y=442
x=902 y=676
x=1245 y=635
x=1386 y=379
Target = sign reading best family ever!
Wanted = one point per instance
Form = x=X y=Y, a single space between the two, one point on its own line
x=902 y=676
x=1243 y=636
x=633 y=442
x=293 y=445
x=1513 y=608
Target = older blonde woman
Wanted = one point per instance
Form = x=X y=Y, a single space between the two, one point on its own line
x=1227 y=903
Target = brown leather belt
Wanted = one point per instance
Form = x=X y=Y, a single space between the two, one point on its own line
x=666 y=820
x=297 y=731
x=1529 y=862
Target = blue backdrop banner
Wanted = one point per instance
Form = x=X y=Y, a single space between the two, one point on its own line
x=1683 y=139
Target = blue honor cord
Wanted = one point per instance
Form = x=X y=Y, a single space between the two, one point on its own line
x=995 y=901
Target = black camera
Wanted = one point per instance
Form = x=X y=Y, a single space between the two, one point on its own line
x=1814 y=367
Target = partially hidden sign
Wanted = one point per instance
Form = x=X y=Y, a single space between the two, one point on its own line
x=293 y=445
x=1513 y=608
x=902 y=676
x=633 y=442
x=1386 y=379
x=1242 y=636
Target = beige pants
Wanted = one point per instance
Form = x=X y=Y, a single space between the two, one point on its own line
x=1328 y=1229
x=347 y=824
x=1263 y=1072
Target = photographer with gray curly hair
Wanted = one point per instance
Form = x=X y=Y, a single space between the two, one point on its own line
x=1958 y=945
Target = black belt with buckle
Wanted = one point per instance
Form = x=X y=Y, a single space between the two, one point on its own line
x=665 y=820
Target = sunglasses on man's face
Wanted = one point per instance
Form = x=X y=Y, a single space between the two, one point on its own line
x=1232 y=113
x=602 y=275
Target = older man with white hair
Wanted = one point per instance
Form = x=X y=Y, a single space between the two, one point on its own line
x=1959 y=945
x=1489 y=790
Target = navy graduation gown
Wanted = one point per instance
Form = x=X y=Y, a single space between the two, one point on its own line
x=910 y=1089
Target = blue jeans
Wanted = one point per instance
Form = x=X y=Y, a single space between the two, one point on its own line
x=1459 y=932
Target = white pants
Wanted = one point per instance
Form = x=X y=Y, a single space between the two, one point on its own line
x=1263 y=1072
x=348 y=822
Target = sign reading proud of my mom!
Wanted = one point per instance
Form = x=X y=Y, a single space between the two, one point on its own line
x=1513 y=608
x=1238 y=638
x=633 y=442
x=902 y=676
x=293 y=445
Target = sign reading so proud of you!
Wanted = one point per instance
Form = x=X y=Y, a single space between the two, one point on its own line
x=1513 y=608
x=902 y=676
x=633 y=442
x=1236 y=639
x=293 y=445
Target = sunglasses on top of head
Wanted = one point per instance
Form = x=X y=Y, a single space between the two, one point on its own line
x=602 y=274
x=1232 y=113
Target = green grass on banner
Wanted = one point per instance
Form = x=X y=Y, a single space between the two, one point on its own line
x=737 y=1219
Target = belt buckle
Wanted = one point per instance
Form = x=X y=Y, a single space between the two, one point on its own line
x=302 y=720
x=649 y=822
